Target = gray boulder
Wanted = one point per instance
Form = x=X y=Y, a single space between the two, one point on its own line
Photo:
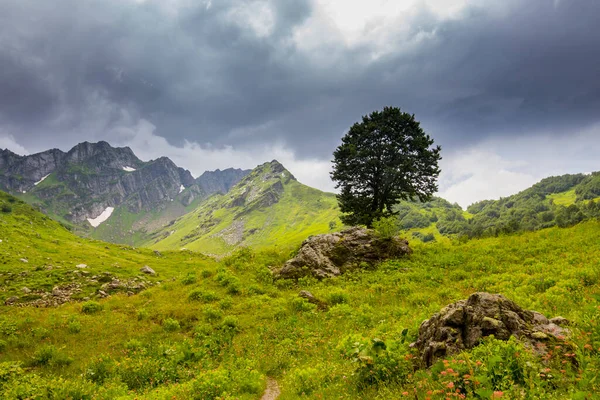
x=147 y=270
x=331 y=254
x=462 y=325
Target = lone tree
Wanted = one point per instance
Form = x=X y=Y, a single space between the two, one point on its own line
x=383 y=159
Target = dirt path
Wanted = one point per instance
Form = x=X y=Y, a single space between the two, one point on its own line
x=272 y=392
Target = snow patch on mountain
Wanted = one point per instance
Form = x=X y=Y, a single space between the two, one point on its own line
x=95 y=222
x=41 y=180
x=181 y=188
x=128 y=169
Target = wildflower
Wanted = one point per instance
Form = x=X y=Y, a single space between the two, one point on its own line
x=450 y=385
x=497 y=394
x=404 y=393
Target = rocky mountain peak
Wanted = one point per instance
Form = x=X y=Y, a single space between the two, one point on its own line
x=102 y=154
x=271 y=170
x=220 y=181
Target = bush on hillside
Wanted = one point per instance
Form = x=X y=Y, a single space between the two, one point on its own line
x=91 y=307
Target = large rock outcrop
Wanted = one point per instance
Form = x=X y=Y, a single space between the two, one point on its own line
x=463 y=324
x=331 y=254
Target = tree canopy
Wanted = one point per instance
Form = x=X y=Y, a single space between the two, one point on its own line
x=383 y=159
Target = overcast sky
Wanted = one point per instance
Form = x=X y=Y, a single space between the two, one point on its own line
x=509 y=88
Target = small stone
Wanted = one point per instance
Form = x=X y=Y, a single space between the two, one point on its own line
x=26 y=290
x=24 y=260
x=56 y=292
x=157 y=253
x=147 y=270
x=81 y=266
x=11 y=300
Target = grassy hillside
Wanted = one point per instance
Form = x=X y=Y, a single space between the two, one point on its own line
x=268 y=208
x=217 y=329
x=556 y=201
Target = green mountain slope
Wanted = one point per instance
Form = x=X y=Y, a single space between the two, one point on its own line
x=268 y=208
x=218 y=329
x=555 y=201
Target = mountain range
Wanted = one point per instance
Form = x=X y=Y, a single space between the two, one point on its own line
x=90 y=183
x=109 y=194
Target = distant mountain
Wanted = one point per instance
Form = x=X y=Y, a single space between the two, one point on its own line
x=267 y=208
x=105 y=191
x=220 y=181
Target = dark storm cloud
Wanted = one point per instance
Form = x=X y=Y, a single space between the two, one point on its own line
x=69 y=68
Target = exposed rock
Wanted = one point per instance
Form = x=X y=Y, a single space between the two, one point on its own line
x=312 y=299
x=81 y=266
x=157 y=253
x=26 y=290
x=11 y=300
x=24 y=260
x=147 y=270
x=463 y=324
x=332 y=254
x=220 y=181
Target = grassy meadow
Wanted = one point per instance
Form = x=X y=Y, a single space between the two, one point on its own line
x=206 y=329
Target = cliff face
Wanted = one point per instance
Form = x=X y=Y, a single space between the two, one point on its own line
x=220 y=181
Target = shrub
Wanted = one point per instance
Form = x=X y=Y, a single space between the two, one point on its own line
x=234 y=287
x=386 y=227
x=211 y=385
x=230 y=323
x=74 y=326
x=305 y=380
x=255 y=289
x=377 y=362
x=190 y=279
x=226 y=303
x=142 y=314
x=300 y=304
x=49 y=356
x=91 y=307
x=212 y=314
x=203 y=296
x=6 y=208
x=206 y=273
x=100 y=369
x=337 y=297
x=171 y=325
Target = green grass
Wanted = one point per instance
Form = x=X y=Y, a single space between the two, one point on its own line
x=564 y=199
x=218 y=329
